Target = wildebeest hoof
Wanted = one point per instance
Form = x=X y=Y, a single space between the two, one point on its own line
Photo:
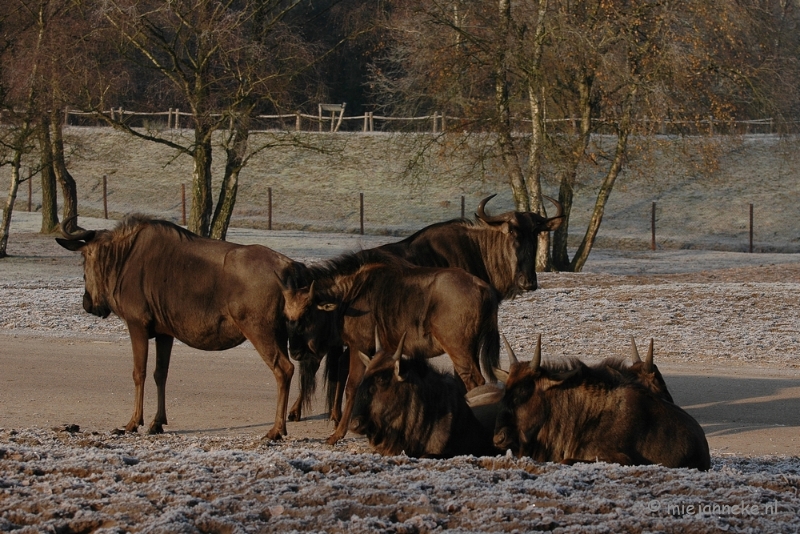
x=294 y=416
x=119 y=431
x=333 y=440
x=155 y=428
x=274 y=435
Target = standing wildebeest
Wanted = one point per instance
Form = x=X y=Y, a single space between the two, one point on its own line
x=166 y=282
x=441 y=310
x=500 y=250
x=575 y=413
x=405 y=405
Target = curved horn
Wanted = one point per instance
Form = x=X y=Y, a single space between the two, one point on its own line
x=648 y=360
x=482 y=214
x=559 y=208
x=635 y=352
x=311 y=291
x=398 y=353
x=83 y=235
x=377 y=342
x=537 y=355
x=512 y=358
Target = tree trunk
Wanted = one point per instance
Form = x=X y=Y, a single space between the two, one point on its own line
x=230 y=182
x=49 y=188
x=200 y=213
x=582 y=254
x=5 y=226
x=536 y=101
x=566 y=189
x=508 y=152
x=69 y=191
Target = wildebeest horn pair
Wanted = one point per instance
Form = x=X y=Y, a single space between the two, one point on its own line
x=396 y=357
x=537 y=354
x=648 y=361
x=501 y=218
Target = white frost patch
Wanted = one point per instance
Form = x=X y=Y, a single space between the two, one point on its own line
x=55 y=481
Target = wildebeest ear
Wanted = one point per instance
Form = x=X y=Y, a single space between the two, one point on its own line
x=69 y=244
x=327 y=306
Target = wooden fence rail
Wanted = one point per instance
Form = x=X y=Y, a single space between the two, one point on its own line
x=330 y=118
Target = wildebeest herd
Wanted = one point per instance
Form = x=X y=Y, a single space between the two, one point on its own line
x=375 y=316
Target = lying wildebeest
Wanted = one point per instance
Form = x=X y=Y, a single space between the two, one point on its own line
x=441 y=310
x=405 y=405
x=571 y=412
x=166 y=282
x=499 y=249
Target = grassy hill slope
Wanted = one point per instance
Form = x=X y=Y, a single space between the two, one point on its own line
x=702 y=186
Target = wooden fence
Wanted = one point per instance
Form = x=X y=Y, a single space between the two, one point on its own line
x=331 y=118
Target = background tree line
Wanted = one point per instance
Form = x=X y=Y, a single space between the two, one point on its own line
x=618 y=68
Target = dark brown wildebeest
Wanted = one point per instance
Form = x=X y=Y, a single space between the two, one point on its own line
x=575 y=413
x=441 y=310
x=406 y=406
x=165 y=282
x=499 y=249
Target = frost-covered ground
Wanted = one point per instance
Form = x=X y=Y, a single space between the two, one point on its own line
x=83 y=482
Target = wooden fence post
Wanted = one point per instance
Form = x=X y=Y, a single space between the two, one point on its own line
x=105 y=197
x=653 y=227
x=30 y=192
x=297 y=122
x=751 y=228
x=269 y=208
x=462 y=206
x=183 y=204
x=361 y=209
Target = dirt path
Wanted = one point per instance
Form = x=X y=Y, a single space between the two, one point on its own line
x=49 y=383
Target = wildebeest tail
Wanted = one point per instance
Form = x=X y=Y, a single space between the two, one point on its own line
x=489 y=337
x=308 y=381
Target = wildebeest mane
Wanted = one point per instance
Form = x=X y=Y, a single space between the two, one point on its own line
x=610 y=372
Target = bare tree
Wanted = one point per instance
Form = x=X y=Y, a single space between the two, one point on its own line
x=18 y=99
x=222 y=61
x=610 y=69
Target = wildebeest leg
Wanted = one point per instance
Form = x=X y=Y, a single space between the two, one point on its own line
x=343 y=372
x=276 y=359
x=163 y=352
x=139 y=342
x=355 y=374
x=308 y=371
